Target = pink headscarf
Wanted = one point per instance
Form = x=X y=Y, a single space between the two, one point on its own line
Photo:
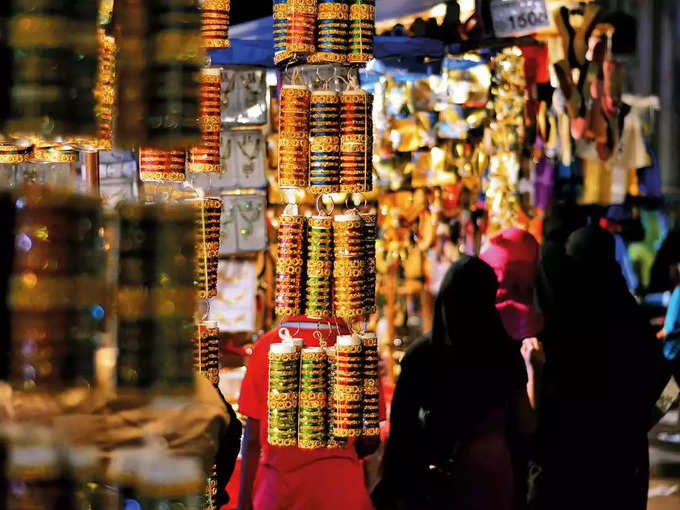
x=514 y=254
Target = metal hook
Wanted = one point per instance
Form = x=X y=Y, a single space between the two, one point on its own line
x=324 y=211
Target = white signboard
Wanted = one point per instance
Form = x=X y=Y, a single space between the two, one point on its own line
x=518 y=17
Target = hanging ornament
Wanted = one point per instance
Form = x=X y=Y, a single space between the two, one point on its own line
x=207 y=351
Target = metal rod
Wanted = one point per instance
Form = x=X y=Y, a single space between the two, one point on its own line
x=92 y=171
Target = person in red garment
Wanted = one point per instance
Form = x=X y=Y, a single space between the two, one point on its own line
x=278 y=478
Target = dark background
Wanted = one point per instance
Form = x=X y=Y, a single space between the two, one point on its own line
x=247 y=10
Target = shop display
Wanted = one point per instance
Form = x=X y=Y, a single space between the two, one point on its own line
x=234 y=307
x=361 y=30
x=244 y=95
x=349 y=265
x=243 y=222
x=370 y=414
x=370 y=224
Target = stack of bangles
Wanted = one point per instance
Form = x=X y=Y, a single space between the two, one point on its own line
x=207 y=351
x=332 y=439
x=289 y=266
x=301 y=25
x=370 y=232
x=331 y=32
x=312 y=406
x=370 y=415
x=205 y=158
x=161 y=165
x=208 y=213
x=348 y=265
x=319 y=303
x=215 y=23
x=280 y=28
x=105 y=89
x=348 y=386
x=294 y=136
x=356 y=166
x=282 y=395
x=361 y=31
x=324 y=143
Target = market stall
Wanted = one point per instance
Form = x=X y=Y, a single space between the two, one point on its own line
x=192 y=186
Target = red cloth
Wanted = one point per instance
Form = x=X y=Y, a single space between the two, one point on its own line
x=513 y=254
x=290 y=478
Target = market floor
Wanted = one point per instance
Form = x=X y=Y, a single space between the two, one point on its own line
x=664 y=484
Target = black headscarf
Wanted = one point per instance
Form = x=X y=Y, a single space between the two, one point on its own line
x=602 y=355
x=453 y=378
x=660 y=279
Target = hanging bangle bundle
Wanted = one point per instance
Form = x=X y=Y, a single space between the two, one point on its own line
x=348 y=386
x=300 y=29
x=333 y=440
x=156 y=299
x=215 y=23
x=324 y=142
x=161 y=165
x=54 y=287
x=319 y=304
x=205 y=158
x=348 y=265
x=361 y=30
x=312 y=400
x=370 y=226
x=207 y=351
x=356 y=166
x=294 y=136
x=370 y=415
x=105 y=89
x=331 y=32
x=208 y=212
x=282 y=395
x=290 y=265
x=280 y=28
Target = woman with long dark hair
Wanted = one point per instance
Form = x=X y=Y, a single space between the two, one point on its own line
x=461 y=387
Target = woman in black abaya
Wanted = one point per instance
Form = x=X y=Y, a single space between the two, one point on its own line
x=459 y=390
x=603 y=374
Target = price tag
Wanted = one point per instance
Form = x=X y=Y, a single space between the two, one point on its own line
x=518 y=17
